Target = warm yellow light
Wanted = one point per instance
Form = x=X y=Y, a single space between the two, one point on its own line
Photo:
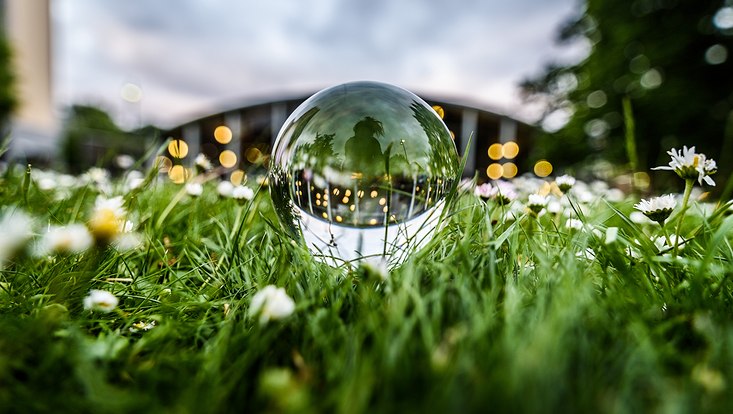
x=373 y=221
x=253 y=155
x=510 y=150
x=495 y=151
x=374 y=194
x=345 y=200
x=352 y=207
x=228 y=159
x=178 y=148
x=382 y=201
x=385 y=209
x=509 y=170
x=237 y=177
x=318 y=202
x=347 y=193
x=324 y=215
x=641 y=180
x=439 y=110
x=543 y=168
x=452 y=135
x=495 y=171
x=163 y=163
x=222 y=134
x=339 y=219
x=178 y=174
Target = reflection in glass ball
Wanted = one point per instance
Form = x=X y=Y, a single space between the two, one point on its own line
x=360 y=171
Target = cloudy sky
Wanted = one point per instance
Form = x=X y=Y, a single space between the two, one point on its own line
x=195 y=57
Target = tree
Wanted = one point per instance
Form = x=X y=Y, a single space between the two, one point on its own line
x=669 y=58
x=7 y=95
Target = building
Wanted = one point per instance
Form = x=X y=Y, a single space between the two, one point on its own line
x=240 y=139
x=34 y=126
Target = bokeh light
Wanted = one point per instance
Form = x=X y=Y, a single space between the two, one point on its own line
x=131 y=93
x=723 y=19
x=178 y=148
x=237 y=177
x=178 y=174
x=439 y=110
x=253 y=155
x=716 y=54
x=543 y=168
x=510 y=150
x=496 y=151
x=495 y=171
x=228 y=159
x=163 y=163
x=509 y=170
x=222 y=134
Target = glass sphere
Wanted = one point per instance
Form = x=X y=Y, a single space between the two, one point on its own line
x=360 y=171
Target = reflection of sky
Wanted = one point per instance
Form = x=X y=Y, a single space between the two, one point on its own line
x=194 y=57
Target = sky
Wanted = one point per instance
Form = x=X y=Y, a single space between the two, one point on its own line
x=192 y=58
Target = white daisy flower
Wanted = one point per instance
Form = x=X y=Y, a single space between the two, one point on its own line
x=242 y=193
x=16 y=228
x=658 y=208
x=537 y=203
x=108 y=218
x=663 y=246
x=225 y=188
x=71 y=239
x=690 y=165
x=271 y=303
x=100 y=300
x=194 y=189
x=203 y=163
x=574 y=224
x=565 y=182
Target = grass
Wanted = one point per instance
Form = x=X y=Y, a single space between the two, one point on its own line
x=501 y=315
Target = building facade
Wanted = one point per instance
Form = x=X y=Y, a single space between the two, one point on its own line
x=240 y=140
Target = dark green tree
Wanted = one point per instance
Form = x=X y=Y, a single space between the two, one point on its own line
x=7 y=78
x=671 y=59
x=91 y=138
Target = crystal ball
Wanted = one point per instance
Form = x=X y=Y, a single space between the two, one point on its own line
x=360 y=172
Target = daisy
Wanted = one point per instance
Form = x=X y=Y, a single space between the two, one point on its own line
x=202 y=163
x=225 y=188
x=242 y=193
x=537 y=203
x=100 y=300
x=16 y=228
x=194 y=189
x=271 y=303
x=690 y=165
x=71 y=239
x=108 y=218
x=658 y=208
x=565 y=182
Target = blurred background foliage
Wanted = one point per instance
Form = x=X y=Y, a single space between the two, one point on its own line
x=669 y=58
x=7 y=95
x=91 y=138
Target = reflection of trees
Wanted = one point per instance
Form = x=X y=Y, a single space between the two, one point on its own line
x=363 y=152
x=367 y=186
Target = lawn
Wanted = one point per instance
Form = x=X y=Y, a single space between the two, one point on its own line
x=546 y=296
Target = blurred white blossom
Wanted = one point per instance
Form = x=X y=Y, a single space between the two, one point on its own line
x=70 y=239
x=100 y=301
x=271 y=303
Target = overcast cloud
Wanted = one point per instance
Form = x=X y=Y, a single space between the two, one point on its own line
x=195 y=57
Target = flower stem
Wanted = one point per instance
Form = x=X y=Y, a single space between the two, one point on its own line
x=689 y=183
x=664 y=233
